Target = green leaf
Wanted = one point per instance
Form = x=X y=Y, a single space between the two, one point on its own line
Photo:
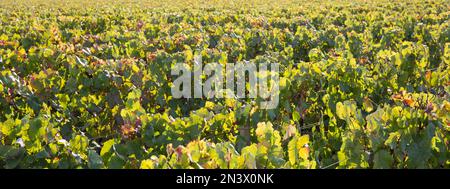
x=295 y=115
x=94 y=160
x=249 y=154
x=79 y=144
x=11 y=155
x=383 y=160
x=292 y=151
x=115 y=162
x=392 y=140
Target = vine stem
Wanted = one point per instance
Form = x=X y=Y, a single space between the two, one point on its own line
x=328 y=166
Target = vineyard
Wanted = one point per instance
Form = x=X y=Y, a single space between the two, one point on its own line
x=87 y=84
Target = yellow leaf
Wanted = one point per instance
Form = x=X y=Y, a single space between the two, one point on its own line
x=304 y=153
x=316 y=69
x=189 y=55
x=135 y=68
x=303 y=140
x=368 y=106
x=209 y=105
x=147 y=164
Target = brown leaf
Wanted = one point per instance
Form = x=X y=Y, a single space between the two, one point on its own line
x=408 y=102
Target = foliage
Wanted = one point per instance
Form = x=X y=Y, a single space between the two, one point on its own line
x=364 y=84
